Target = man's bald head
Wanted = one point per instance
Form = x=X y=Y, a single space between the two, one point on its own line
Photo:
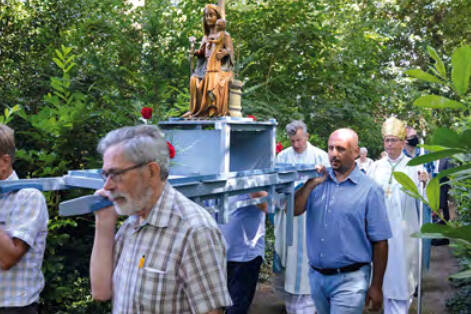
x=343 y=150
x=346 y=134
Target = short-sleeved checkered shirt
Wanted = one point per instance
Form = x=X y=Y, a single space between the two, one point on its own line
x=23 y=215
x=174 y=262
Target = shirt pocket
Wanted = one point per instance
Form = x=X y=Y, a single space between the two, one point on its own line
x=157 y=290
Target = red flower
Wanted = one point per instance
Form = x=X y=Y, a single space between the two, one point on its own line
x=278 y=147
x=171 y=150
x=251 y=117
x=146 y=112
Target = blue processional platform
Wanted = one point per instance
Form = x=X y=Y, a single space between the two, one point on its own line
x=214 y=159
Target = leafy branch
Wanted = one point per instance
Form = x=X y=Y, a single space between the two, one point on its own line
x=444 y=143
x=8 y=114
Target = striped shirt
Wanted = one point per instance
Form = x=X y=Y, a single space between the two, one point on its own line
x=173 y=262
x=23 y=215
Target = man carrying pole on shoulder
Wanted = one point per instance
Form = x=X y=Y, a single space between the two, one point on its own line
x=23 y=231
x=169 y=255
x=347 y=229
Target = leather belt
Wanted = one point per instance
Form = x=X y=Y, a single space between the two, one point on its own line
x=28 y=309
x=345 y=269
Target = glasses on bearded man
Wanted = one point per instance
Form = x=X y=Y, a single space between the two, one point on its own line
x=115 y=174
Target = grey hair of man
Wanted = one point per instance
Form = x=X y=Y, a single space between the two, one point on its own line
x=143 y=143
x=363 y=150
x=7 y=141
x=294 y=126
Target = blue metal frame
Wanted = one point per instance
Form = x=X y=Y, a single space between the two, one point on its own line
x=278 y=182
x=216 y=158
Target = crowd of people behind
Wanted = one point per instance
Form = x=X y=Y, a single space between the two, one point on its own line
x=352 y=244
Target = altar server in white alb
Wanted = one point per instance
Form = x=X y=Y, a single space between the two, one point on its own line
x=294 y=277
x=401 y=274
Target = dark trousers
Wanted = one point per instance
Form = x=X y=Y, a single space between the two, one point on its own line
x=242 y=280
x=29 y=309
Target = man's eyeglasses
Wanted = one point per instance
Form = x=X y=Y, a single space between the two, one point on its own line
x=392 y=140
x=115 y=174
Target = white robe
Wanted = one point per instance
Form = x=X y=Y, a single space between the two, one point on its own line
x=364 y=165
x=400 y=278
x=294 y=257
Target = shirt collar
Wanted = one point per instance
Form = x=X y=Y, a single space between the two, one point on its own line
x=303 y=152
x=13 y=176
x=160 y=214
x=416 y=153
x=399 y=158
x=354 y=176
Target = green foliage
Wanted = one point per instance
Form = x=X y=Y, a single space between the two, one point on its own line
x=79 y=68
x=460 y=303
x=461 y=61
x=50 y=149
x=407 y=183
x=437 y=102
x=447 y=143
x=439 y=66
x=8 y=114
x=462 y=275
x=424 y=76
x=448 y=231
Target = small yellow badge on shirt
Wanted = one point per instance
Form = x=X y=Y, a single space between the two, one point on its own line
x=141 y=261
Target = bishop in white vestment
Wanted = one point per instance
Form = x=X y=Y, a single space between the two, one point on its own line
x=401 y=274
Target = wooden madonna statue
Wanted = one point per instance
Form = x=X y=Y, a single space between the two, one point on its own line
x=211 y=80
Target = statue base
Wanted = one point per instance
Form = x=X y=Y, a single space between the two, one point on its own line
x=220 y=145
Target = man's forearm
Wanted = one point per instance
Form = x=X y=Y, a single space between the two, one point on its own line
x=301 y=196
x=12 y=250
x=101 y=262
x=380 y=260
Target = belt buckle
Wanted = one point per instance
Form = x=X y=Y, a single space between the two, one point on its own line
x=338 y=270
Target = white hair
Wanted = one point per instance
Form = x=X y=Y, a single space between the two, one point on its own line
x=363 y=150
x=294 y=126
x=143 y=143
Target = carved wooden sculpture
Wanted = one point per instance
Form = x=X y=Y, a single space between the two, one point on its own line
x=210 y=81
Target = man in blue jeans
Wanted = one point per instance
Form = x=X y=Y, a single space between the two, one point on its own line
x=347 y=228
x=245 y=249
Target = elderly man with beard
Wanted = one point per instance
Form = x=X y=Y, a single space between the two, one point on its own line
x=169 y=255
x=347 y=228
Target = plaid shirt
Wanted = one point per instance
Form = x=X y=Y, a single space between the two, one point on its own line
x=173 y=262
x=23 y=215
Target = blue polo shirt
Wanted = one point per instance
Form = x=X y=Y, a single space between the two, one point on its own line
x=343 y=219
